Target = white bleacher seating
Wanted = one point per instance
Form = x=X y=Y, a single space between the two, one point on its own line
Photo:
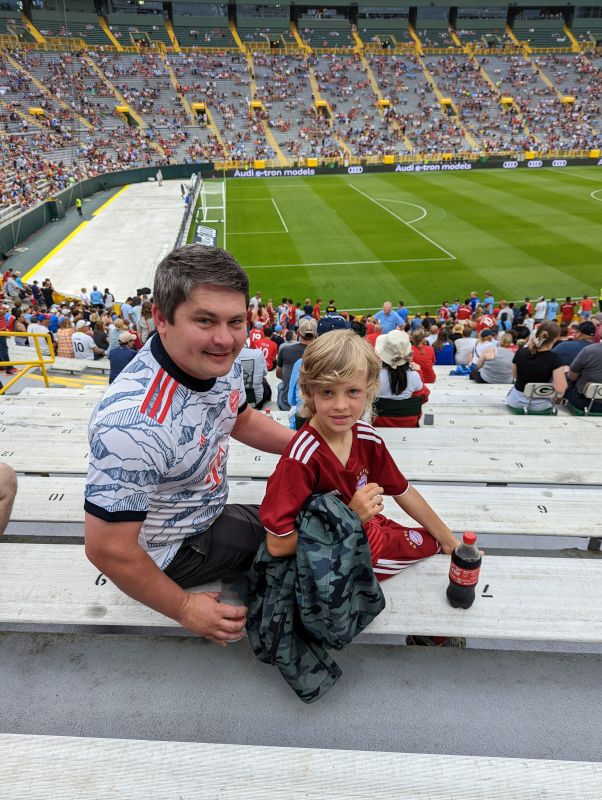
x=54 y=587
x=79 y=769
x=487 y=509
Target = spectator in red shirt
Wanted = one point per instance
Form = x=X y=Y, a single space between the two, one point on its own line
x=424 y=356
x=316 y=313
x=463 y=311
x=376 y=332
x=585 y=307
x=256 y=336
x=268 y=347
x=567 y=309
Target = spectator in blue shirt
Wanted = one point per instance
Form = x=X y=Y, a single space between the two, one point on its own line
x=96 y=298
x=487 y=302
x=402 y=311
x=552 y=310
x=389 y=319
x=121 y=356
x=570 y=348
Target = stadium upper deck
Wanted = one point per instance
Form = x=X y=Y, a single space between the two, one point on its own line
x=81 y=94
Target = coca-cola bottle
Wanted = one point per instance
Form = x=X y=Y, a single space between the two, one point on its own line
x=464 y=572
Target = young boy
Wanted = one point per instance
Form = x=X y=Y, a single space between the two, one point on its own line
x=337 y=452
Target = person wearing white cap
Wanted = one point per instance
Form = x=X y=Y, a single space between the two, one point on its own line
x=398 y=381
x=121 y=356
x=83 y=343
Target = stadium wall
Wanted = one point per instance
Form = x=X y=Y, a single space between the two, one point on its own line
x=22 y=227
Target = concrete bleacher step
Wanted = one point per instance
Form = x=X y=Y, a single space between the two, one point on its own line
x=431 y=438
x=482 y=463
x=490 y=509
x=79 y=768
x=54 y=587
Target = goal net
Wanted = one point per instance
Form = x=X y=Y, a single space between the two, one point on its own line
x=213 y=202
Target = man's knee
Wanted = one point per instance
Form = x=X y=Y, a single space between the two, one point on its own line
x=8 y=482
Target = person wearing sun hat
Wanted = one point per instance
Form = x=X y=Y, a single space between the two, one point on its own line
x=398 y=380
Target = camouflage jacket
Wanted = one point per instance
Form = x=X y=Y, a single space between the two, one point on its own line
x=320 y=598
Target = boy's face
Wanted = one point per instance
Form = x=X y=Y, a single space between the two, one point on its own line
x=340 y=405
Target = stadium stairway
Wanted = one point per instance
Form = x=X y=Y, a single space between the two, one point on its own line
x=260 y=114
x=176 y=86
x=472 y=143
x=48 y=93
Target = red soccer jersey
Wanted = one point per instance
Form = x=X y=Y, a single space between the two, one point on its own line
x=269 y=350
x=255 y=337
x=485 y=323
x=316 y=311
x=463 y=312
x=587 y=304
x=308 y=466
x=567 y=310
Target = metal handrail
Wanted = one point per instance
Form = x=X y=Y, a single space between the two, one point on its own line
x=39 y=363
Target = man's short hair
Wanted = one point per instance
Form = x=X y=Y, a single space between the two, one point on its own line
x=180 y=272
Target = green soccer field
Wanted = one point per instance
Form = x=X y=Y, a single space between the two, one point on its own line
x=418 y=238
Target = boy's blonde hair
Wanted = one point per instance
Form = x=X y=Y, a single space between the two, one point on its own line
x=337 y=357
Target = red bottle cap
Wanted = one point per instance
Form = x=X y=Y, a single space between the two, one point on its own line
x=470 y=538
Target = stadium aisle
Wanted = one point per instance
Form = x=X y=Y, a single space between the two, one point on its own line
x=119 y=245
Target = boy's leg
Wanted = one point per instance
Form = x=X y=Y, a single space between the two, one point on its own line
x=395 y=547
x=223 y=552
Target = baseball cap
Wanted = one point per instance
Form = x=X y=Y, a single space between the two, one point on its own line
x=126 y=337
x=308 y=328
x=587 y=328
x=394 y=348
x=331 y=322
x=486 y=332
x=82 y=324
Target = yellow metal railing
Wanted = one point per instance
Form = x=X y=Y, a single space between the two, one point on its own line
x=39 y=363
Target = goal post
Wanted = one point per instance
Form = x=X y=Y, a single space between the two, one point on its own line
x=213 y=202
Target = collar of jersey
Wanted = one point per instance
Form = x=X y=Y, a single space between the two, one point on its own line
x=160 y=355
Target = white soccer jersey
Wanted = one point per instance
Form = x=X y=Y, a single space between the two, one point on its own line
x=158 y=449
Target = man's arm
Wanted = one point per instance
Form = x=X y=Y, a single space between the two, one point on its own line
x=257 y=430
x=113 y=548
x=414 y=504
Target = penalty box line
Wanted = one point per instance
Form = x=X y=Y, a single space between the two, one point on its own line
x=345 y=263
x=450 y=256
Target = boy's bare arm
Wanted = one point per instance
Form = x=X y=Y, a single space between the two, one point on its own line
x=414 y=504
x=281 y=546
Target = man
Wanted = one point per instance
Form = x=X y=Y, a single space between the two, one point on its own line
x=97 y=298
x=488 y=302
x=316 y=312
x=85 y=297
x=287 y=355
x=586 y=368
x=256 y=300
x=540 y=310
x=567 y=310
x=464 y=311
x=256 y=335
x=157 y=522
x=8 y=490
x=254 y=376
x=505 y=317
x=127 y=312
x=268 y=347
x=552 y=310
x=39 y=324
x=402 y=311
x=389 y=319
x=570 y=349
x=83 y=344
x=432 y=335
x=585 y=307
x=277 y=337
x=121 y=356
x=78 y=205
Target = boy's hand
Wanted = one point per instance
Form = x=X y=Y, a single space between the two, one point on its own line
x=367 y=502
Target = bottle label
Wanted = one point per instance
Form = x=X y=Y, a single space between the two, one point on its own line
x=464 y=577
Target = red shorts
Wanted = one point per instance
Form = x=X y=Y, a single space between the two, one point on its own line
x=394 y=547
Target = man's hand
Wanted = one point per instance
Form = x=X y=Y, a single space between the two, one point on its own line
x=204 y=615
x=367 y=502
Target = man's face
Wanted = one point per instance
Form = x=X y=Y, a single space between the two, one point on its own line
x=387 y=308
x=208 y=331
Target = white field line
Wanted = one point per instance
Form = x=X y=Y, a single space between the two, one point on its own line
x=403 y=222
x=406 y=203
x=344 y=263
x=594 y=193
x=255 y=233
x=280 y=215
x=585 y=177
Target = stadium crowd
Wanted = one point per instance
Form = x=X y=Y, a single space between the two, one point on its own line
x=77 y=132
x=478 y=337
